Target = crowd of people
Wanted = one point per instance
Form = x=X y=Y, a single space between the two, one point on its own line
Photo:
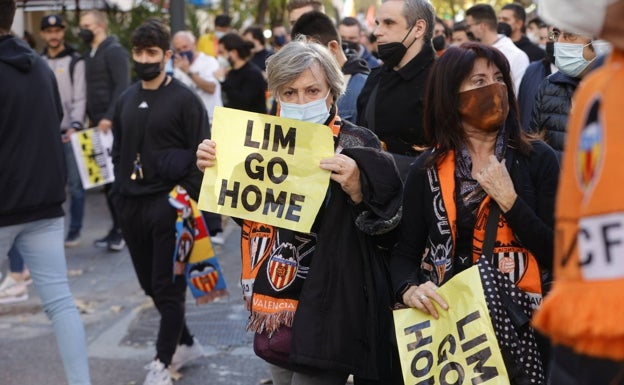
x=455 y=144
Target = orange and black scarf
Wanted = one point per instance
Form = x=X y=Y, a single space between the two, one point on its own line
x=508 y=255
x=275 y=264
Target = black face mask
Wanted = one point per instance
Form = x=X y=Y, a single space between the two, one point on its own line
x=550 y=51
x=439 y=43
x=147 y=71
x=392 y=53
x=350 y=48
x=86 y=35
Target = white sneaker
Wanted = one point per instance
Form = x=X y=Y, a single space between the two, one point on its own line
x=185 y=354
x=217 y=239
x=12 y=291
x=157 y=374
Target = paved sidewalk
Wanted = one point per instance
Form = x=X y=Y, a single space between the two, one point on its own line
x=121 y=322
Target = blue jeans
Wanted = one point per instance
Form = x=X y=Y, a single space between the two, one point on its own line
x=76 y=192
x=40 y=243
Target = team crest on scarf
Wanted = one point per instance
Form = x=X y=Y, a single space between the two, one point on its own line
x=590 y=147
x=204 y=277
x=282 y=266
x=261 y=242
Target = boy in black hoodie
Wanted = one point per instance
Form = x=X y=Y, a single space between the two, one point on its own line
x=32 y=176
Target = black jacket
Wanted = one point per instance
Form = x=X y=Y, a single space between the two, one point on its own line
x=107 y=76
x=343 y=321
x=397 y=114
x=552 y=108
x=533 y=76
x=32 y=164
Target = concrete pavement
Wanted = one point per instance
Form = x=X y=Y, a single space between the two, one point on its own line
x=121 y=322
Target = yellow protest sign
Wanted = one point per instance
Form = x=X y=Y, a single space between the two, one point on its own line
x=267 y=169
x=458 y=348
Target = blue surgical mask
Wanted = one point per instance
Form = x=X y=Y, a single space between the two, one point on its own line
x=569 y=58
x=314 y=112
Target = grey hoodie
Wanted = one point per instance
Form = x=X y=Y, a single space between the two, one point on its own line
x=72 y=87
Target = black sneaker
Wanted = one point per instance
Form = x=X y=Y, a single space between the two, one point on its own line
x=103 y=242
x=116 y=241
x=73 y=238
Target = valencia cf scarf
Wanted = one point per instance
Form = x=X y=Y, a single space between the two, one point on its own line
x=278 y=260
x=275 y=264
x=194 y=256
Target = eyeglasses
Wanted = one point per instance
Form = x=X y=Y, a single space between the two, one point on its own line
x=568 y=36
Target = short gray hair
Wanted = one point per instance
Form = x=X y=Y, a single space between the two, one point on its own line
x=285 y=66
x=188 y=35
x=414 y=10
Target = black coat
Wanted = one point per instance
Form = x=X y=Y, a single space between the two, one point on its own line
x=343 y=320
x=107 y=77
x=533 y=76
x=552 y=108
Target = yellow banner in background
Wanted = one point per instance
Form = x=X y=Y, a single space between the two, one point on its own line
x=458 y=348
x=267 y=169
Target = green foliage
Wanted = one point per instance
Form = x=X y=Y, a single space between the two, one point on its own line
x=193 y=23
x=122 y=24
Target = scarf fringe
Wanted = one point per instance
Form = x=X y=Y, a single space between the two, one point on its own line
x=259 y=322
x=585 y=316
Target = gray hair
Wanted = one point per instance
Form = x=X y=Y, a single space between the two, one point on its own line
x=414 y=10
x=285 y=66
x=187 y=35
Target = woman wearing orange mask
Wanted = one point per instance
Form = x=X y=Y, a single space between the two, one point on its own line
x=480 y=162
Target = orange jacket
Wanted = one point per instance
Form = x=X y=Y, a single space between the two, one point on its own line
x=584 y=311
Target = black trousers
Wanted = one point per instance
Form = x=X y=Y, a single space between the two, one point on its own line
x=570 y=368
x=110 y=203
x=148 y=226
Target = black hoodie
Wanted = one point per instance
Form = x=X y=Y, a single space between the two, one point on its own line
x=32 y=167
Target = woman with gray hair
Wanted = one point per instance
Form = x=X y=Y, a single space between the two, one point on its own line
x=334 y=319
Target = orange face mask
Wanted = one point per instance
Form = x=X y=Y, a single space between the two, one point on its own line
x=485 y=108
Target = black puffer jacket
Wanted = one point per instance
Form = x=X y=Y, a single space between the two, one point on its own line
x=552 y=108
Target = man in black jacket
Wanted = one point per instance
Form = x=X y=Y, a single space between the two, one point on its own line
x=390 y=103
x=514 y=15
x=32 y=176
x=107 y=76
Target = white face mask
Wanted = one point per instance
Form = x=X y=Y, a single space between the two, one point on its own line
x=533 y=37
x=569 y=58
x=584 y=17
x=315 y=111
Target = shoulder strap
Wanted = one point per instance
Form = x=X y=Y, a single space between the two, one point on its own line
x=72 y=65
x=490 y=230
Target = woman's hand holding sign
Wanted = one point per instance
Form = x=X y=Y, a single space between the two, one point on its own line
x=345 y=171
x=422 y=297
x=206 y=154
